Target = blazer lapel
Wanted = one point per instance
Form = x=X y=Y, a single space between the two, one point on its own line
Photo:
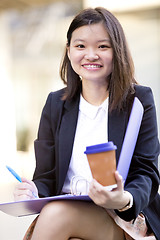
x=117 y=123
x=66 y=138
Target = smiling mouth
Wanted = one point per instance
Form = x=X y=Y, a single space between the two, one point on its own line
x=91 y=66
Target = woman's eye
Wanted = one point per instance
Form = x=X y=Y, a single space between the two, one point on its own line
x=104 y=46
x=80 y=46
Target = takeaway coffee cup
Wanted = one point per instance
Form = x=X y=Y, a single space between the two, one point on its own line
x=102 y=161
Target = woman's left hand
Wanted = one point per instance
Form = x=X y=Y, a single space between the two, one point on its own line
x=114 y=199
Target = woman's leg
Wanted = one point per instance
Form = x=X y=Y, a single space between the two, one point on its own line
x=63 y=220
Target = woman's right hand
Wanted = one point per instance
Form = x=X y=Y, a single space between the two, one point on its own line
x=25 y=190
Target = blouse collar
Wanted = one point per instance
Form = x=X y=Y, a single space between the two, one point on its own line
x=90 y=110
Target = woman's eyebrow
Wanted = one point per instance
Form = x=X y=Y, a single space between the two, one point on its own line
x=101 y=40
x=79 y=40
x=104 y=40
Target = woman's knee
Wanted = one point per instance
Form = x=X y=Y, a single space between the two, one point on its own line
x=52 y=209
x=51 y=223
x=55 y=210
x=60 y=215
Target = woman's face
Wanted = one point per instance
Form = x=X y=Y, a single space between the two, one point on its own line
x=90 y=53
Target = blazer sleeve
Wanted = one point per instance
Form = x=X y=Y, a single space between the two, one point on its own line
x=143 y=178
x=45 y=145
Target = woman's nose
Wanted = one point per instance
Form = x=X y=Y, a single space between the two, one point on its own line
x=91 y=55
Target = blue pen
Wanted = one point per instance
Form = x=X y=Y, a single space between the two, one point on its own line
x=17 y=176
x=14 y=173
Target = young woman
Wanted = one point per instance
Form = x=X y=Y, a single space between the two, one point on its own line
x=94 y=108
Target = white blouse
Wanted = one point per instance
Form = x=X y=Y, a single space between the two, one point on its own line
x=92 y=129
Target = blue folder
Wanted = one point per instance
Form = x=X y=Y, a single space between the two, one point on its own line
x=30 y=207
x=130 y=138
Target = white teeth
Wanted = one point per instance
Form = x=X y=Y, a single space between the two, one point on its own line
x=92 y=66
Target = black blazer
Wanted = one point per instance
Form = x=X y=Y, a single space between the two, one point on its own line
x=53 y=149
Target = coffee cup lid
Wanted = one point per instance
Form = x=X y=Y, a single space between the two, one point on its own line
x=103 y=147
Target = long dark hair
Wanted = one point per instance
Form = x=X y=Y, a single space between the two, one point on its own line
x=122 y=77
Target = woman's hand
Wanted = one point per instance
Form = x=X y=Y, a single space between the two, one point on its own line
x=114 y=199
x=25 y=190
